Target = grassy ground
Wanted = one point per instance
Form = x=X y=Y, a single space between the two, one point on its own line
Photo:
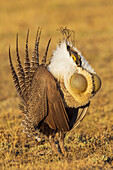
x=91 y=145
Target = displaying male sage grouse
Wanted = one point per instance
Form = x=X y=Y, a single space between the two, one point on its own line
x=55 y=97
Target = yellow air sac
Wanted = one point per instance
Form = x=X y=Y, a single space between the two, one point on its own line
x=78 y=83
x=97 y=83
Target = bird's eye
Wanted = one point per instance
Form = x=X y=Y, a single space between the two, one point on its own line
x=74 y=55
x=76 y=59
x=97 y=83
x=78 y=83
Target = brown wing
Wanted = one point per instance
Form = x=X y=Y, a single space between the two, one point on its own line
x=45 y=102
x=76 y=115
x=81 y=114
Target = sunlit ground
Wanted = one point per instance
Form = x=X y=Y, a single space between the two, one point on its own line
x=91 y=145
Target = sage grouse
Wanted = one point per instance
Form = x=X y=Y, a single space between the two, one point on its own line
x=55 y=96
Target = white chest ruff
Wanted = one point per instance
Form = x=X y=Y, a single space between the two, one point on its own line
x=62 y=67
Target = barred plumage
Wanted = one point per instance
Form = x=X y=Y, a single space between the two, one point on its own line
x=20 y=71
x=55 y=96
x=16 y=80
x=23 y=109
x=37 y=46
x=45 y=56
x=35 y=56
x=27 y=67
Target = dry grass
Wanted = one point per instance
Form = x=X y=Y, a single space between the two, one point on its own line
x=91 y=145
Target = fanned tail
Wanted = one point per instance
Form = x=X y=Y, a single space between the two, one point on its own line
x=16 y=80
x=37 y=46
x=20 y=72
x=24 y=76
x=27 y=67
x=35 y=56
x=46 y=52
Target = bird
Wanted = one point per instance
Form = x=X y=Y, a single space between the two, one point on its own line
x=55 y=96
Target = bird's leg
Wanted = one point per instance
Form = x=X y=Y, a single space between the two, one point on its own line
x=53 y=146
x=61 y=143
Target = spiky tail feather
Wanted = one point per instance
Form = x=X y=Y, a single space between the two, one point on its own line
x=46 y=52
x=23 y=78
x=35 y=56
x=27 y=67
x=16 y=80
x=20 y=72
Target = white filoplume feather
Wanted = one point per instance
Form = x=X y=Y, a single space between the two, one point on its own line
x=62 y=64
x=63 y=67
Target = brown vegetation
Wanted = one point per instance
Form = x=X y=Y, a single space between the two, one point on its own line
x=91 y=145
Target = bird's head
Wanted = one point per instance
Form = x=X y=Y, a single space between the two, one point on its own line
x=69 y=66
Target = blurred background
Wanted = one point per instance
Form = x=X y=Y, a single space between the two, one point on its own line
x=92 y=22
